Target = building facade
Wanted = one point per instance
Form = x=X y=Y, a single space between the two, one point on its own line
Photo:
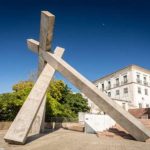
x=129 y=87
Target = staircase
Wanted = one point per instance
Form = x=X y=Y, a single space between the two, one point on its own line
x=117 y=132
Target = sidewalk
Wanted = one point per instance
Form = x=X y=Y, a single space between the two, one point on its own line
x=71 y=140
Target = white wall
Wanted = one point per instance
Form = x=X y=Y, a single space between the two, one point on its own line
x=141 y=98
x=124 y=97
x=132 y=98
x=98 y=123
x=93 y=107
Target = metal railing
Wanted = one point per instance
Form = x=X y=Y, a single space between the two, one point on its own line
x=116 y=85
x=108 y=87
x=63 y=119
x=139 y=81
x=145 y=83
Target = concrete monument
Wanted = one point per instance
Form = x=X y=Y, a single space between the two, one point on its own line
x=37 y=96
x=20 y=127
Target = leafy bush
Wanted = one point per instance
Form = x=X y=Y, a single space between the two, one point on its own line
x=61 y=102
x=10 y=103
x=76 y=103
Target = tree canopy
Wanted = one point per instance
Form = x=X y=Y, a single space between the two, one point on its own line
x=61 y=101
x=10 y=103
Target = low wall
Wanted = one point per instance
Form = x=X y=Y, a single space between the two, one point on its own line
x=146 y=122
x=4 y=125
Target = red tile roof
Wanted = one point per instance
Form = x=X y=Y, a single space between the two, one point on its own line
x=139 y=112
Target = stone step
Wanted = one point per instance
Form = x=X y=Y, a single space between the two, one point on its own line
x=74 y=127
x=120 y=133
x=116 y=132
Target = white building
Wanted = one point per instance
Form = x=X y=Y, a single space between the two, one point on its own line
x=129 y=87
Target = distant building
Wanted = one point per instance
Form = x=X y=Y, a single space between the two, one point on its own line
x=129 y=87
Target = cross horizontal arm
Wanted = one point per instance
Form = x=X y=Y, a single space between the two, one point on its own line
x=122 y=117
x=33 y=45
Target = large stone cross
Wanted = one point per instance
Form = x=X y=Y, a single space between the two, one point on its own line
x=20 y=127
x=34 y=106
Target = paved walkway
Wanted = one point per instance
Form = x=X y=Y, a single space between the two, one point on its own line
x=71 y=140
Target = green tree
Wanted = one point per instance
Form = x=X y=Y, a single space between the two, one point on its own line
x=76 y=103
x=56 y=109
x=61 y=102
x=10 y=103
x=58 y=90
x=56 y=93
x=23 y=85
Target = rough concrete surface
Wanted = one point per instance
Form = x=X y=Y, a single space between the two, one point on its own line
x=46 y=34
x=71 y=140
x=122 y=117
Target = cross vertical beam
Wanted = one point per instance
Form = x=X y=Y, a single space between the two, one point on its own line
x=46 y=35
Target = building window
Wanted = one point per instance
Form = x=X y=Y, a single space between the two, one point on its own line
x=125 y=79
x=117 y=92
x=138 y=78
x=117 y=82
x=124 y=106
x=139 y=90
x=102 y=87
x=140 y=105
x=109 y=94
x=125 y=90
x=145 y=81
x=147 y=105
x=109 y=85
x=146 y=91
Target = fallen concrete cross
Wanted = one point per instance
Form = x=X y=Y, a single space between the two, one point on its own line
x=21 y=126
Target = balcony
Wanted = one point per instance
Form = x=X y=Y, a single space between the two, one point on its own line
x=145 y=83
x=124 y=82
x=116 y=85
x=139 y=81
x=108 y=87
x=101 y=89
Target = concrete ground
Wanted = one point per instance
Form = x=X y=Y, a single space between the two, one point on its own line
x=71 y=140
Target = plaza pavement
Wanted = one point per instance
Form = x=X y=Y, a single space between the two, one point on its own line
x=71 y=140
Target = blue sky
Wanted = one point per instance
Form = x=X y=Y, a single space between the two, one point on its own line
x=99 y=36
